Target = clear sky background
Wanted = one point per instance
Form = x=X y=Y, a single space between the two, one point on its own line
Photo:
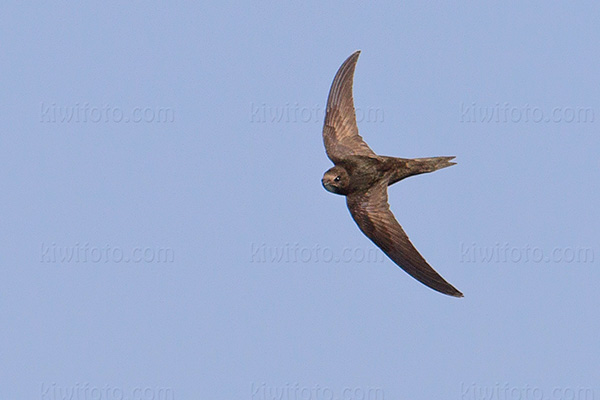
x=210 y=172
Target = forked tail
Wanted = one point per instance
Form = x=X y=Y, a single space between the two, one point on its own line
x=424 y=165
x=415 y=166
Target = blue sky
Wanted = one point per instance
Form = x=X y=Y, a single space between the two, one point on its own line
x=165 y=232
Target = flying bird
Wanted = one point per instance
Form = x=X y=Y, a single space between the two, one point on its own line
x=363 y=177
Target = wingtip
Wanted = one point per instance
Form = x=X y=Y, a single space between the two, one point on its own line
x=354 y=56
x=442 y=287
x=457 y=293
x=450 y=291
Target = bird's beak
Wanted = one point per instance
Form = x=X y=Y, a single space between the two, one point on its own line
x=327 y=186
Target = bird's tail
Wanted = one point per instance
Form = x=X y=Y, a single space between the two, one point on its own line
x=424 y=165
x=415 y=166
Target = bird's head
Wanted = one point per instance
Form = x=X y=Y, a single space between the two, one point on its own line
x=336 y=180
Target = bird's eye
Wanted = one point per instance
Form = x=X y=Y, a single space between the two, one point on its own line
x=337 y=179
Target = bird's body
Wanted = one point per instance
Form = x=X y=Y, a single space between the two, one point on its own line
x=363 y=177
x=364 y=171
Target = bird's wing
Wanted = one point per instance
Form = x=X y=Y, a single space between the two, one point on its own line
x=340 y=132
x=373 y=216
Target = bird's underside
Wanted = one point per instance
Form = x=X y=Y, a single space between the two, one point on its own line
x=363 y=177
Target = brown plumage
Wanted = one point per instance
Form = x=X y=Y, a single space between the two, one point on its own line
x=363 y=177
